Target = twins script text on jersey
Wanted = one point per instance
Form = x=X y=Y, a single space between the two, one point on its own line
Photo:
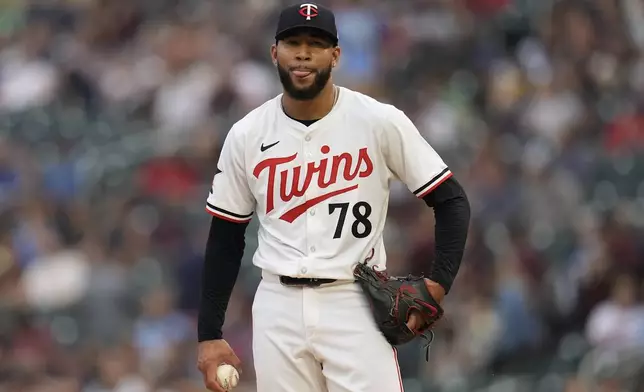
x=357 y=165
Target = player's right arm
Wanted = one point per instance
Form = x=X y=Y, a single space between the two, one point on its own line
x=231 y=205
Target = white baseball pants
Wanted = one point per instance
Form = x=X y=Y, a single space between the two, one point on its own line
x=318 y=340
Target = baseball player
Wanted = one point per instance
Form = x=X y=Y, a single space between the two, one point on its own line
x=315 y=164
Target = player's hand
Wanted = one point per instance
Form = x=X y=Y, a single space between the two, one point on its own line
x=415 y=321
x=213 y=353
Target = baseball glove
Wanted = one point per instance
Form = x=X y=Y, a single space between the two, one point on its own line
x=392 y=300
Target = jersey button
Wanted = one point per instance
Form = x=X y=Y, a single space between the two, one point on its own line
x=312 y=212
x=313 y=249
x=303 y=270
x=307 y=138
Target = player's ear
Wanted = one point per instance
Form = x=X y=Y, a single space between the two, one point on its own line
x=274 y=54
x=336 y=56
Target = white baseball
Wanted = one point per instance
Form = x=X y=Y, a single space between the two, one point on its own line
x=227 y=376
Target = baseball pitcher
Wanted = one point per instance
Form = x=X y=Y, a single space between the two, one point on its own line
x=314 y=164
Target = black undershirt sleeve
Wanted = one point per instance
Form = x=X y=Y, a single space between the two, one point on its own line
x=452 y=216
x=222 y=262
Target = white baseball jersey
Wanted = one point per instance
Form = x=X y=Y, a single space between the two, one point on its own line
x=321 y=192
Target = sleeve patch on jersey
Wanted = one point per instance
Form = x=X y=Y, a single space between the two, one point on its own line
x=227 y=215
x=433 y=183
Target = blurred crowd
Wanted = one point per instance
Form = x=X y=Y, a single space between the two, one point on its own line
x=112 y=114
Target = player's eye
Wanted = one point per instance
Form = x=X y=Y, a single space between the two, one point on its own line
x=319 y=44
x=291 y=42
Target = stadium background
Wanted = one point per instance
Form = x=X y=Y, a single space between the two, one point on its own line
x=112 y=114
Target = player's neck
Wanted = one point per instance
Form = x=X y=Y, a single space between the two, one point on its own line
x=313 y=109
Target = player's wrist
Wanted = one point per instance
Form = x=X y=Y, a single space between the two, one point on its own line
x=209 y=336
x=436 y=290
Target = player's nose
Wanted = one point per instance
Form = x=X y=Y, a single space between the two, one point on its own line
x=303 y=53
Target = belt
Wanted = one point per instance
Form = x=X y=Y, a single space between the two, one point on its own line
x=304 y=282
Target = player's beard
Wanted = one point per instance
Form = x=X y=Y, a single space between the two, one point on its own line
x=307 y=93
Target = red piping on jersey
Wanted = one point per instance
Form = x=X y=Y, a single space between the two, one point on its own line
x=400 y=380
x=224 y=217
x=431 y=188
x=292 y=214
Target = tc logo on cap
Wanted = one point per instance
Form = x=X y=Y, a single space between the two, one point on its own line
x=308 y=10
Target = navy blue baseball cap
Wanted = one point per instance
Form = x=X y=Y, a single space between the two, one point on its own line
x=307 y=15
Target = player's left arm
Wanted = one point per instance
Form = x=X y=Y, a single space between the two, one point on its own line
x=415 y=162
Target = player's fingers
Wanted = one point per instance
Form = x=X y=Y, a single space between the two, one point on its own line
x=415 y=320
x=210 y=380
x=213 y=386
x=234 y=360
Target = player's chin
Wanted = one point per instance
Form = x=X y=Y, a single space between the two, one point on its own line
x=303 y=87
